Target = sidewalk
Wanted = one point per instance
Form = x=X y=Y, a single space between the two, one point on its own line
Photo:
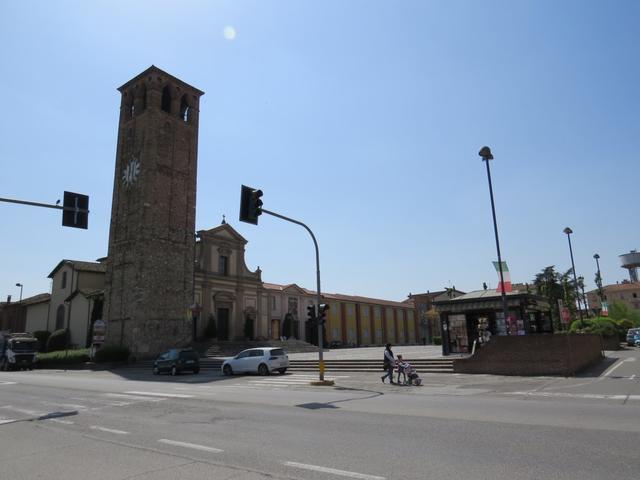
x=410 y=352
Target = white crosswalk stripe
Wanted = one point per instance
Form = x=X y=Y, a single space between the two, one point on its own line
x=282 y=381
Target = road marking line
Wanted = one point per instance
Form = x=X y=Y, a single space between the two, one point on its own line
x=632 y=377
x=69 y=405
x=195 y=446
x=108 y=430
x=576 y=395
x=24 y=410
x=8 y=383
x=64 y=422
x=158 y=394
x=7 y=420
x=133 y=397
x=616 y=365
x=334 y=471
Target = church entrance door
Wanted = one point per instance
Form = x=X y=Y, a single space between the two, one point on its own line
x=223 y=324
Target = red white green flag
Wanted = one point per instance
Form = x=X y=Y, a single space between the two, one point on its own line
x=505 y=274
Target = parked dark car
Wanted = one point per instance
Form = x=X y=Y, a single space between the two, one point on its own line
x=176 y=361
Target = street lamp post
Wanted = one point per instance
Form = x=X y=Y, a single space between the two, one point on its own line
x=485 y=153
x=20 y=285
x=597 y=257
x=568 y=232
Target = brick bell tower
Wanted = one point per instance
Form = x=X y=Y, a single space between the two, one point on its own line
x=149 y=281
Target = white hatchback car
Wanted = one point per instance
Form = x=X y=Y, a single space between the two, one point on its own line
x=261 y=360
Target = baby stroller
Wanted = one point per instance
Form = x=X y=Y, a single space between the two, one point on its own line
x=413 y=378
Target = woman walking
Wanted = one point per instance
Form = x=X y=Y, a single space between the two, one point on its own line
x=388 y=364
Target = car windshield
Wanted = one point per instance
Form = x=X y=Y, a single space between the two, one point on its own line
x=190 y=355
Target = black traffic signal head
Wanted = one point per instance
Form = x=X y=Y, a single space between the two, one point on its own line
x=311 y=312
x=322 y=313
x=75 y=210
x=250 y=204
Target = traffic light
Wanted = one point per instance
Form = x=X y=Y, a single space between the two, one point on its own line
x=311 y=313
x=250 y=204
x=322 y=313
x=75 y=210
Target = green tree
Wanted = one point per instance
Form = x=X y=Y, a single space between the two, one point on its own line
x=620 y=311
x=548 y=284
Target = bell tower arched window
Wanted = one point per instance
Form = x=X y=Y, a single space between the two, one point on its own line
x=185 y=109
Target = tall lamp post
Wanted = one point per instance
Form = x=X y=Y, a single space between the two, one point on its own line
x=568 y=232
x=485 y=153
x=599 y=278
x=20 y=285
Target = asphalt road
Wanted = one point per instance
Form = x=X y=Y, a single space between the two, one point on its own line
x=129 y=424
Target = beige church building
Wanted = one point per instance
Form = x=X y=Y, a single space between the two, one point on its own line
x=237 y=299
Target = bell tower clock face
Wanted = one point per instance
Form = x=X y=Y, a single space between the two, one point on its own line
x=131 y=172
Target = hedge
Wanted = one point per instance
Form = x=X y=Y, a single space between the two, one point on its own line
x=70 y=357
x=58 y=340
x=112 y=353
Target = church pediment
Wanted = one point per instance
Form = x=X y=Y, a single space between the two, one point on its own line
x=294 y=289
x=224 y=232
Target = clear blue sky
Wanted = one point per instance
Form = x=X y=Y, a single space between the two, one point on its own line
x=361 y=118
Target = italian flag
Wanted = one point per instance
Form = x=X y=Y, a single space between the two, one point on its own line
x=505 y=274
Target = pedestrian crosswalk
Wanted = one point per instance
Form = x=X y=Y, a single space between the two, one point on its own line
x=280 y=381
x=34 y=408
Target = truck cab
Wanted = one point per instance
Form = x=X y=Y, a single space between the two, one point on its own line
x=18 y=351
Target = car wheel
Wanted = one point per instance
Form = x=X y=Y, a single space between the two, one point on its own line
x=196 y=370
x=227 y=370
x=156 y=371
x=282 y=371
x=263 y=370
x=174 y=371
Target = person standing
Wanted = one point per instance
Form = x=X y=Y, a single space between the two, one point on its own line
x=388 y=364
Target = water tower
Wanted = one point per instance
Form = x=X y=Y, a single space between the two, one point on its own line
x=631 y=261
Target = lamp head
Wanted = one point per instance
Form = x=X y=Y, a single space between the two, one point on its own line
x=18 y=284
x=596 y=256
x=568 y=231
x=485 y=153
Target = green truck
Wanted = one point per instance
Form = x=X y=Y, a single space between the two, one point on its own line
x=18 y=351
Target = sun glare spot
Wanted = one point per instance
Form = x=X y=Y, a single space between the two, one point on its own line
x=229 y=32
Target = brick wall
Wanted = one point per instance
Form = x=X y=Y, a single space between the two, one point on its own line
x=534 y=355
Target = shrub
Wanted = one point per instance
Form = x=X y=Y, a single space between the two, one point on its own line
x=42 y=336
x=112 y=353
x=211 y=330
x=70 y=357
x=623 y=326
x=600 y=325
x=58 y=340
x=437 y=340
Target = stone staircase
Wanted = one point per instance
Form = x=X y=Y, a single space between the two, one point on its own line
x=426 y=365
x=231 y=348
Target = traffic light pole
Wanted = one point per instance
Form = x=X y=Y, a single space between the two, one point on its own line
x=319 y=295
x=76 y=210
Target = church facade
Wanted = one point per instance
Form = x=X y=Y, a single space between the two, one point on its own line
x=245 y=307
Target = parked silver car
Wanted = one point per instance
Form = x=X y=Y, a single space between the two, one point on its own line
x=259 y=360
x=631 y=335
